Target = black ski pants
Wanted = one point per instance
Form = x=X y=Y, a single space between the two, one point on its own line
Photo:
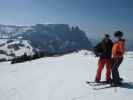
x=115 y=66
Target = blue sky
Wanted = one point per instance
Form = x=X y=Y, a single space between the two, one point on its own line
x=95 y=17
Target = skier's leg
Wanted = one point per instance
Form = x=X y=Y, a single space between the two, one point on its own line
x=115 y=72
x=108 y=70
x=120 y=61
x=114 y=69
x=117 y=76
x=101 y=63
x=118 y=65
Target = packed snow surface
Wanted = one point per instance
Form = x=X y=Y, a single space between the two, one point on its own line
x=60 y=78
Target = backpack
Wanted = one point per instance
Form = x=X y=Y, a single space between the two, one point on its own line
x=118 y=48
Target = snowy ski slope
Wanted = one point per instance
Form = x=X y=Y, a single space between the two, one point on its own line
x=60 y=78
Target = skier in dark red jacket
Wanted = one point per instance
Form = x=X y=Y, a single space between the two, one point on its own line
x=104 y=51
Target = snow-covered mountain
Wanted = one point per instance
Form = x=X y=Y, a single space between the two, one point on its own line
x=52 y=38
x=49 y=37
x=13 y=48
x=61 y=78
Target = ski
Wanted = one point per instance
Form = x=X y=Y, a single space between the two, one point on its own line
x=97 y=84
x=105 y=87
x=88 y=82
x=127 y=85
x=92 y=83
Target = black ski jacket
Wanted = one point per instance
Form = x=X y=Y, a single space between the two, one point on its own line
x=104 y=49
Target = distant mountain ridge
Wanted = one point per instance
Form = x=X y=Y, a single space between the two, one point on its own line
x=54 y=38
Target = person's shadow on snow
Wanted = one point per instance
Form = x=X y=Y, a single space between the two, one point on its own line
x=127 y=85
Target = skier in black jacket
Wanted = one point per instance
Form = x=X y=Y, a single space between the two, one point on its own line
x=104 y=51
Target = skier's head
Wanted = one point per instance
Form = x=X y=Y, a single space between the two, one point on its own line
x=106 y=37
x=118 y=34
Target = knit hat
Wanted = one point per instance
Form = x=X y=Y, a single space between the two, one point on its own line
x=118 y=34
